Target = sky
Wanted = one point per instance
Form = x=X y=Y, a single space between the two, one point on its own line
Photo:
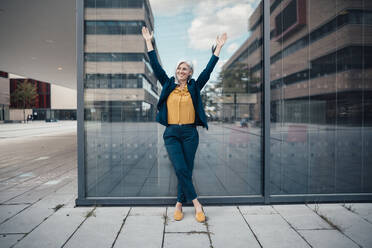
x=187 y=29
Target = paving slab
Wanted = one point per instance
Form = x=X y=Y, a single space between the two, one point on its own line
x=257 y=209
x=70 y=188
x=7 y=211
x=362 y=209
x=187 y=224
x=44 y=189
x=228 y=228
x=41 y=174
x=31 y=217
x=273 y=231
x=12 y=193
x=19 y=189
x=350 y=224
x=18 y=172
x=55 y=230
x=148 y=211
x=327 y=239
x=142 y=228
x=186 y=240
x=105 y=223
x=7 y=240
x=71 y=203
x=301 y=217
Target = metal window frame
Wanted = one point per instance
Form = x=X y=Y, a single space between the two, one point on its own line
x=80 y=99
x=266 y=198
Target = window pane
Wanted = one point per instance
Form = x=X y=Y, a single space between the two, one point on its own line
x=320 y=98
x=125 y=152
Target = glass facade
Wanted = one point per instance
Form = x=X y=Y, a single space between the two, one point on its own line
x=321 y=98
x=53 y=114
x=316 y=82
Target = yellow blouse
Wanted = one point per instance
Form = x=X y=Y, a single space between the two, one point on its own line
x=180 y=107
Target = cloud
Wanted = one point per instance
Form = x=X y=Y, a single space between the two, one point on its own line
x=195 y=63
x=216 y=17
x=171 y=7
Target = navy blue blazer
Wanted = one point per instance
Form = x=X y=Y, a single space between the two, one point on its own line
x=193 y=86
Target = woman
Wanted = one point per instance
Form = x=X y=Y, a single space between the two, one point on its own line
x=181 y=110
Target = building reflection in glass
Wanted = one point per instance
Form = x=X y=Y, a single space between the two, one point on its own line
x=124 y=151
x=321 y=100
x=321 y=104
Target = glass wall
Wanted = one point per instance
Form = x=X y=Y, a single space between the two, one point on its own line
x=233 y=146
x=321 y=100
x=124 y=150
x=317 y=82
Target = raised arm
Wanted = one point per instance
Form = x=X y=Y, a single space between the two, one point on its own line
x=206 y=73
x=158 y=70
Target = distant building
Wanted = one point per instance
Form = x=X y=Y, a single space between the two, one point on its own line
x=52 y=102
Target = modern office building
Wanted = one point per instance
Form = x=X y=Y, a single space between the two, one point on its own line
x=52 y=102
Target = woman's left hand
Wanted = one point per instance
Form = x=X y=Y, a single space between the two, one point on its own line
x=220 y=41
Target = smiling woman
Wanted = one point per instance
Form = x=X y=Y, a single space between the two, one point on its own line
x=184 y=69
x=180 y=104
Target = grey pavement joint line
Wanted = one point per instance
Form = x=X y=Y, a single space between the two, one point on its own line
x=52 y=156
x=208 y=232
x=51 y=179
x=40 y=199
x=16 y=213
x=255 y=236
x=36 y=177
x=294 y=229
x=350 y=208
x=89 y=214
x=57 y=176
x=190 y=232
x=331 y=223
x=19 y=240
x=121 y=227
x=165 y=223
x=31 y=170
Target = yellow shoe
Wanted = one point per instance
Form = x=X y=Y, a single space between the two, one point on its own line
x=178 y=215
x=200 y=217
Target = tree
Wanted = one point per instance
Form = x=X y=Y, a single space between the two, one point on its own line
x=24 y=96
x=238 y=79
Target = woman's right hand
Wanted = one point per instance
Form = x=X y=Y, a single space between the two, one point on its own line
x=146 y=34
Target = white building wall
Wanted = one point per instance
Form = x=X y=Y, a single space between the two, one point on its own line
x=62 y=97
x=4 y=91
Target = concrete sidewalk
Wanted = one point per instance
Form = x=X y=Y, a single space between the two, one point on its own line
x=54 y=222
x=38 y=189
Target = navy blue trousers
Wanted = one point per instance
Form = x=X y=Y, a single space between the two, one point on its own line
x=181 y=142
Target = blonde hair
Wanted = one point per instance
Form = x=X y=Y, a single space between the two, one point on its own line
x=189 y=64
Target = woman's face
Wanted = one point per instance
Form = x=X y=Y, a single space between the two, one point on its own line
x=183 y=72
